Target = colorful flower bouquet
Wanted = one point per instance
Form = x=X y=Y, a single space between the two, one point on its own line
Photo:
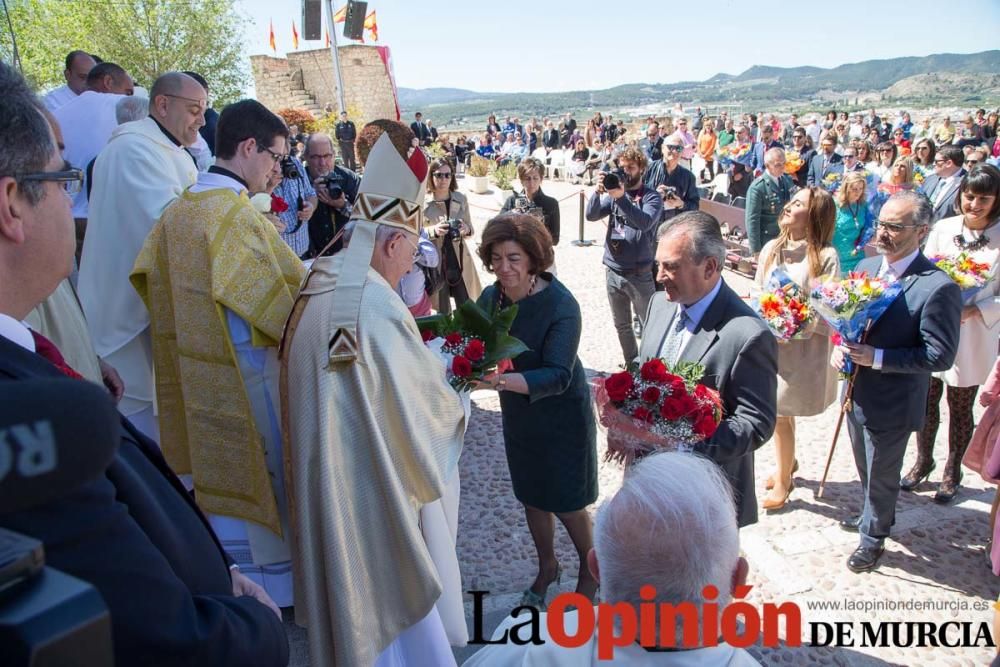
x=650 y=408
x=268 y=203
x=734 y=152
x=472 y=343
x=970 y=275
x=832 y=181
x=851 y=304
x=793 y=162
x=783 y=308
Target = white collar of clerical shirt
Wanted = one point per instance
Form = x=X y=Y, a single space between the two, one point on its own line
x=16 y=332
x=215 y=181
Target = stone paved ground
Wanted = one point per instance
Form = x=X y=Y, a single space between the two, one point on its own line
x=798 y=554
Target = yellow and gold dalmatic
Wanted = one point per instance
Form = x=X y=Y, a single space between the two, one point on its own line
x=372 y=434
x=208 y=252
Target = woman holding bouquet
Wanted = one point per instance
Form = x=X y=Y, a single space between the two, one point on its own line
x=976 y=233
x=854 y=221
x=548 y=422
x=806 y=382
x=461 y=280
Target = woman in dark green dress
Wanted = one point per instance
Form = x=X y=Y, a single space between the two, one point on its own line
x=548 y=422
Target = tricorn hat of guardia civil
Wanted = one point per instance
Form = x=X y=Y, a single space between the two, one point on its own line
x=391 y=193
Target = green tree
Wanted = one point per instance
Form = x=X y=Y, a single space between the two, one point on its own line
x=146 y=37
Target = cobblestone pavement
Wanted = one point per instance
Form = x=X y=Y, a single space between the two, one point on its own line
x=936 y=553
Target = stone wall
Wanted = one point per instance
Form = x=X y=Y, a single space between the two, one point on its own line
x=306 y=79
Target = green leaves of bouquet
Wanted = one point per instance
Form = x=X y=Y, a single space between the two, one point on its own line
x=492 y=328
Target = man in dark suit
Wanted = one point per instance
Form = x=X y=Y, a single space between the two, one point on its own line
x=345 y=133
x=134 y=533
x=800 y=145
x=942 y=186
x=916 y=336
x=420 y=130
x=702 y=320
x=765 y=199
x=825 y=162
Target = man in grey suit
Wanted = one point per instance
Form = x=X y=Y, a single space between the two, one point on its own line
x=942 y=186
x=825 y=162
x=916 y=336
x=702 y=320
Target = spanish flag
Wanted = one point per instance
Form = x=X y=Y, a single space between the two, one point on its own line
x=271 y=40
x=341 y=15
x=372 y=25
x=295 y=36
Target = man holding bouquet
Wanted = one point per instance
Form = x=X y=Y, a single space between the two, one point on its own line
x=703 y=321
x=917 y=335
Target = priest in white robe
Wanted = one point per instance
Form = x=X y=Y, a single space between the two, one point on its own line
x=219 y=283
x=373 y=436
x=143 y=168
x=78 y=66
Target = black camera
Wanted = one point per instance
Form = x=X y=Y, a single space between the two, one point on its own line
x=289 y=168
x=454 y=230
x=670 y=192
x=334 y=190
x=614 y=179
x=522 y=204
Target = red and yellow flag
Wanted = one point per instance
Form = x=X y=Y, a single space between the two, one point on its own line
x=341 y=15
x=295 y=36
x=371 y=24
x=327 y=38
x=271 y=40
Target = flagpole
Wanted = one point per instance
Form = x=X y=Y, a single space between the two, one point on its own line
x=336 y=55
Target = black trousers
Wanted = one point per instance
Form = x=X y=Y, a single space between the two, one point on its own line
x=347 y=154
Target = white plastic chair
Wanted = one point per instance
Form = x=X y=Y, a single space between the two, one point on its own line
x=556 y=165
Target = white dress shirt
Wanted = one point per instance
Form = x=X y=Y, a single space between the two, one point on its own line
x=15 y=331
x=694 y=313
x=892 y=272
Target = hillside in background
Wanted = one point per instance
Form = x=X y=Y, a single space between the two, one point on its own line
x=918 y=82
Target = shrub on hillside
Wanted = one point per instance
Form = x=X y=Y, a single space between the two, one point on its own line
x=301 y=117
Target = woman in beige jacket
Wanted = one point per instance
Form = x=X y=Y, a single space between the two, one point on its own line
x=444 y=204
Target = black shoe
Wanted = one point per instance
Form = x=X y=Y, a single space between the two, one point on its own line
x=851 y=524
x=913 y=479
x=864 y=559
x=947 y=491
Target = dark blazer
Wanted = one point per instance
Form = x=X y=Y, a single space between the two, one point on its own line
x=550 y=138
x=919 y=335
x=816 y=171
x=741 y=361
x=421 y=131
x=945 y=208
x=759 y=148
x=138 y=537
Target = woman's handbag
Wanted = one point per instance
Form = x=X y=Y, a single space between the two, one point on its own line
x=433 y=279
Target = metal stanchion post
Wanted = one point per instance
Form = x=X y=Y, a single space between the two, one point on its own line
x=581 y=242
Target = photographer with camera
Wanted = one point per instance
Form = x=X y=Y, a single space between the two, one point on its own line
x=533 y=201
x=633 y=212
x=675 y=183
x=336 y=189
x=297 y=192
x=449 y=224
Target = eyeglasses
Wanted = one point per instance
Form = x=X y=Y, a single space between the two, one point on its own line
x=71 y=179
x=893 y=227
x=923 y=148
x=939 y=160
x=442 y=174
x=416 y=250
x=675 y=149
x=849 y=155
x=885 y=150
x=971 y=162
x=277 y=157
x=324 y=156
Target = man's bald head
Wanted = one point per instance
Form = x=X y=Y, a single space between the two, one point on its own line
x=178 y=102
x=110 y=78
x=78 y=66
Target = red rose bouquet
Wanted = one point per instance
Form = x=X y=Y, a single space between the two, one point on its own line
x=649 y=408
x=472 y=343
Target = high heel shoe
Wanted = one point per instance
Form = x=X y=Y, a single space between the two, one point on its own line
x=532 y=599
x=916 y=477
x=772 y=505
x=769 y=484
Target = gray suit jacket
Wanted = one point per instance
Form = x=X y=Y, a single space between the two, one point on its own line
x=741 y=361
x=945 y=208
x=919 y=335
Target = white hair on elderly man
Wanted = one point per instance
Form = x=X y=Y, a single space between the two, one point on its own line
x=672 y=526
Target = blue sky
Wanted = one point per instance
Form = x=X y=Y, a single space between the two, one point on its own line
x=519 y=46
